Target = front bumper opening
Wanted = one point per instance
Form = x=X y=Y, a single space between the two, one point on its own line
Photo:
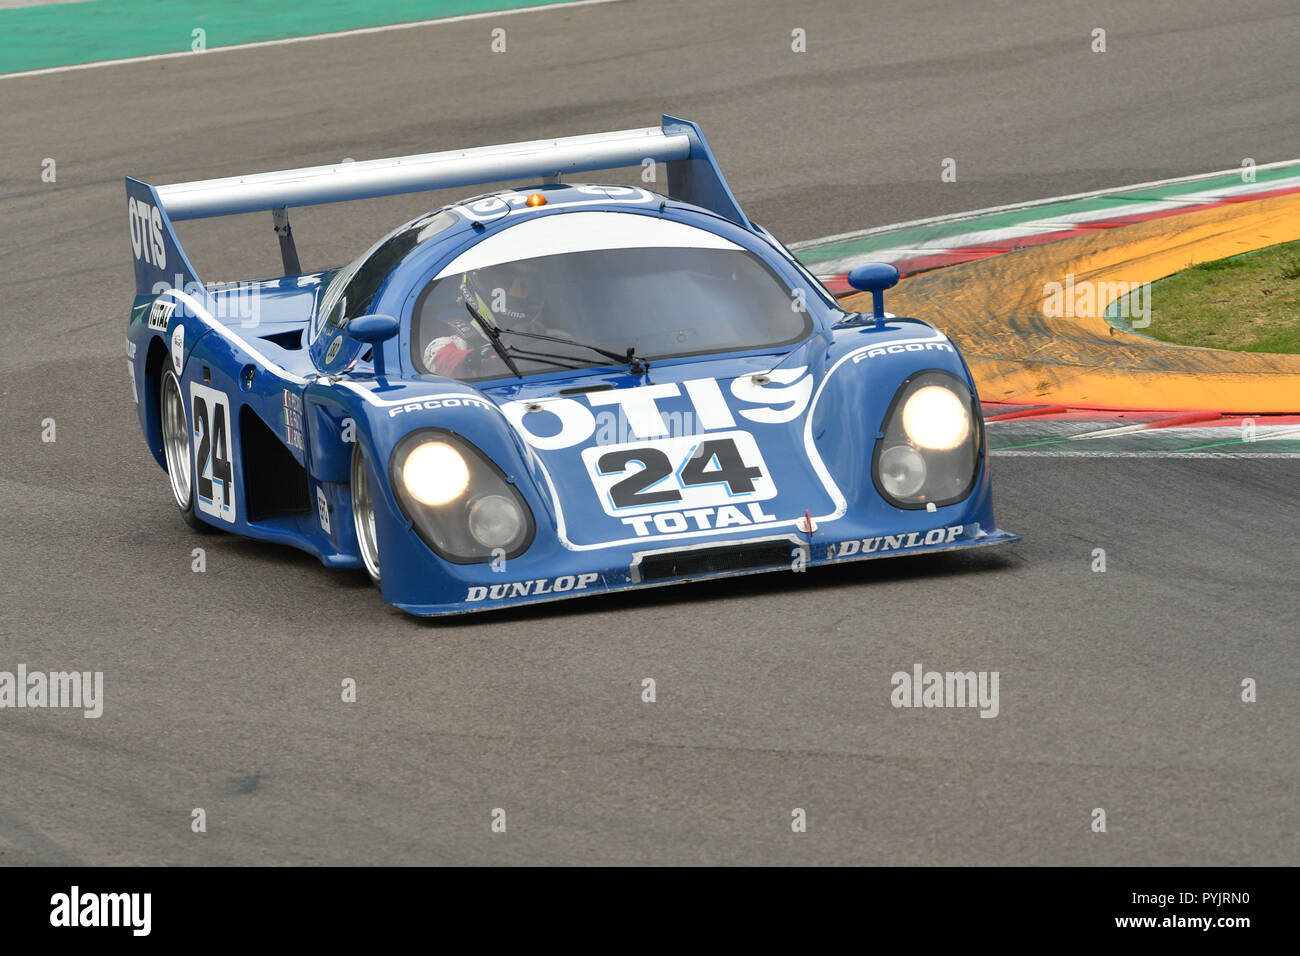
x=715 y=559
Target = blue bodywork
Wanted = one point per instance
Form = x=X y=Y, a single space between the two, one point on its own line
x=293 y=394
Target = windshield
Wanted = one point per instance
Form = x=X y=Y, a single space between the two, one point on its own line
x=352 y=289
x=662 y=302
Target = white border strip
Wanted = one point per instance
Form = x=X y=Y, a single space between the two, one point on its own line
x=1042 y=227
x=1012 y=207
x=1077 y=453
x=285 y=41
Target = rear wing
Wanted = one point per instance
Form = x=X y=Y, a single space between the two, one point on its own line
x=160 y=263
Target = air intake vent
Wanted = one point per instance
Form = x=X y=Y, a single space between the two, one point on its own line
x=698 y=562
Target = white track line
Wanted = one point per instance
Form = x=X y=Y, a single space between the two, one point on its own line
x=1042 y=227
x=284 y=41
x=1072 y=453
x=1013 y=207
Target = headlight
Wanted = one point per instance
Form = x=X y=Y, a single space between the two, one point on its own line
x=435 y=473
x=902 y=470
x=931 y=443
x=495 y=521
x=934 y=417
x=457 y=500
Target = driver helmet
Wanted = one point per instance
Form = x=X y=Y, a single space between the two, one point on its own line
x=509 y=294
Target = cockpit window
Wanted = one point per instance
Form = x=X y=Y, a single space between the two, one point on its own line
x=352 y=290
x=664 y=301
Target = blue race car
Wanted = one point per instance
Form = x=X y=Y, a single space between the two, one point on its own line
x=546 y=392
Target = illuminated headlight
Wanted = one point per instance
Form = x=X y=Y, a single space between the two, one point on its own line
x=435 y=473
x=935 y=418
x=460 y=503
x=495 y=521
x=930 y=444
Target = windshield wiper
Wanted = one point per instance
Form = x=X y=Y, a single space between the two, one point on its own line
x=494 y=336
x=493 y=332
x=548 y=358
x=639 y=365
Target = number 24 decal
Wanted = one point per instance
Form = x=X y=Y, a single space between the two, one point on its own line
x=713 y=462
x=213 y=467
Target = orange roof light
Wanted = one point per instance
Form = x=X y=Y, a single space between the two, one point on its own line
x=536 y=199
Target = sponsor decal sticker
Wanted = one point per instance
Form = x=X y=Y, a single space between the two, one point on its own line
x=160 y=313
x=703 y=519
x=213 y=457
x=512 y=202
x=130 y=370
x=457 y=401
x=881 y=544
x=178 y=349
x=689 y=472
x=901 y=348
x=533 y=588
x=323 y=509
x=779 y=396
x=146 y=233
x=665 y=470
x=291 y=413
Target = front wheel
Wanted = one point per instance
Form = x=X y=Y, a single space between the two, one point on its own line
x=363 y=513
x=176 y=449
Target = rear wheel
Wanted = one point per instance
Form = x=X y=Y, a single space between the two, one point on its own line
x=176 y=449
x=363 y=513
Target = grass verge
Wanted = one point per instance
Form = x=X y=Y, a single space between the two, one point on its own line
x=1248 y=303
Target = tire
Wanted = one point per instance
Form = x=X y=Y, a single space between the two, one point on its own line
x=363 y=513
x=175 y=427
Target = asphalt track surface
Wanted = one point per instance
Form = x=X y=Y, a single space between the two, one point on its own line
x=1118 y=690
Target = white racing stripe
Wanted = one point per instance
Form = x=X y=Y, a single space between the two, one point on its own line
x=411 y=399
x=198 y=311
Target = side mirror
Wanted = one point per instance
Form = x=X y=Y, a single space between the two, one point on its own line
x=874 y=277
x=375 y=330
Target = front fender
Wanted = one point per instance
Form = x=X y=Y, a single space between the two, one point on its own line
x=863 y=371
x=379 y=418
